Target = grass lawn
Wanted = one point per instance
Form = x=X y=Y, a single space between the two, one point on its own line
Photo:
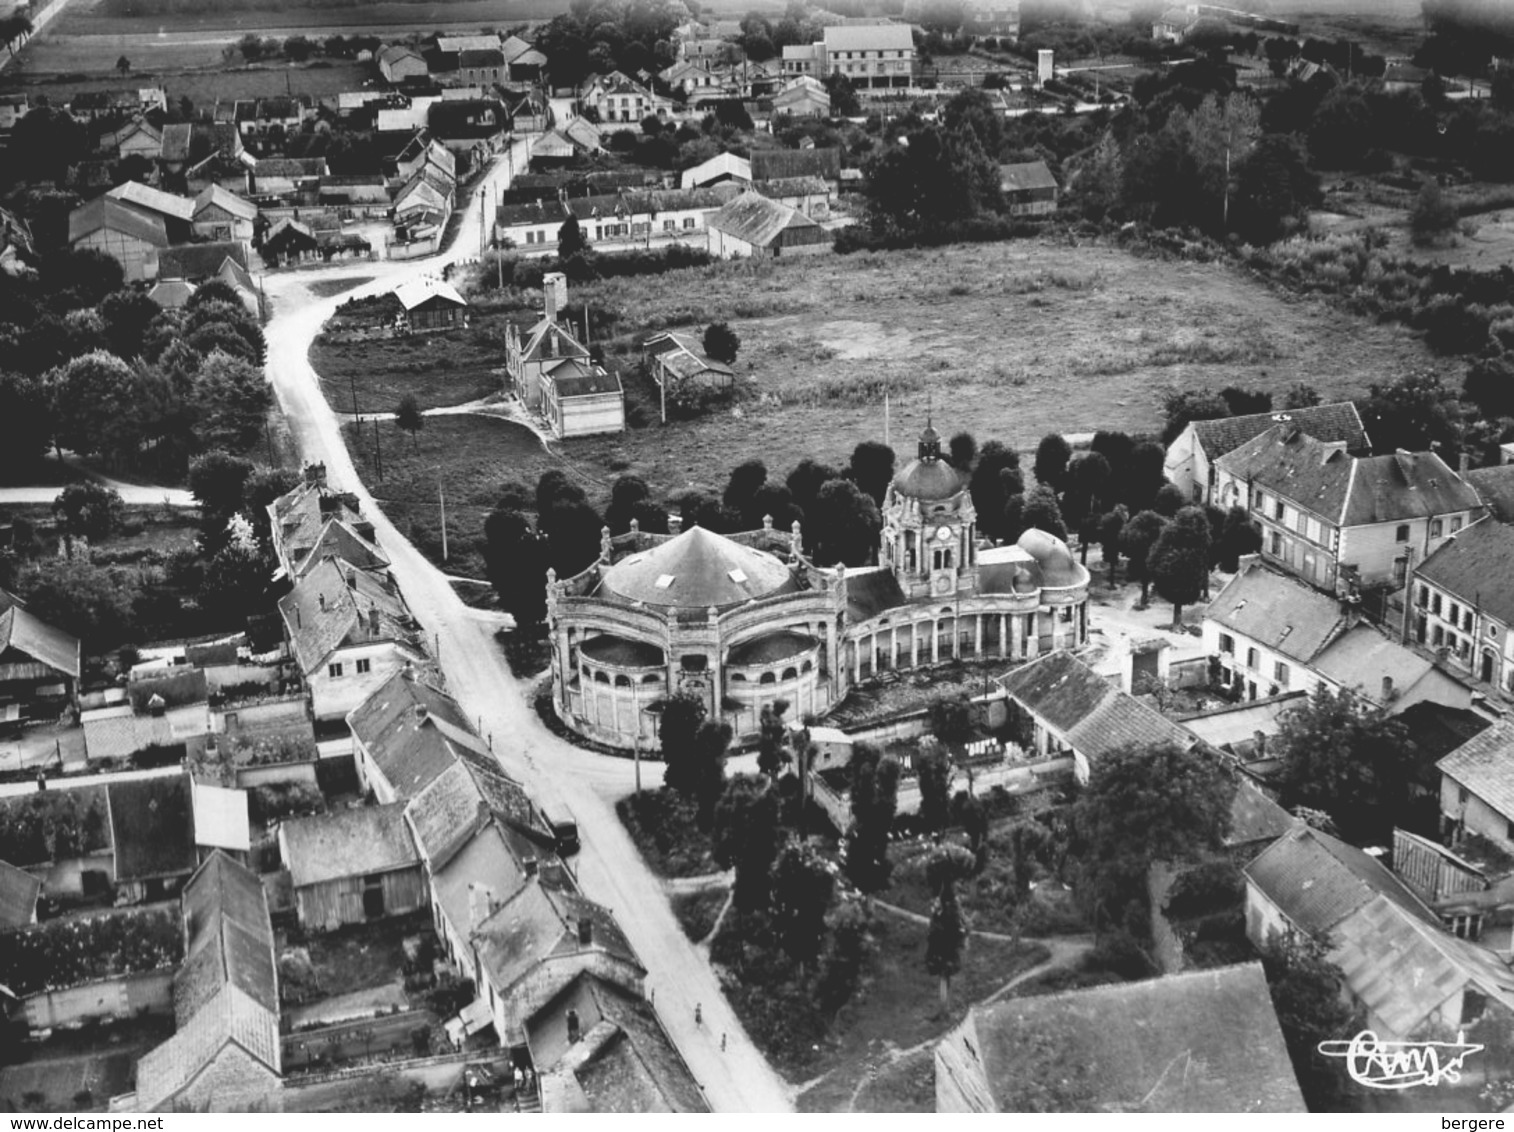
x=439 y=369
x=361 y=956
x=1011 y=340
x=423 y=16
x=58 y=68
x=698 y=911
x=897 y=1008
x=476 y=455
x=662 y=825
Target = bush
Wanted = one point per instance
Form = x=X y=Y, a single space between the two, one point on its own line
x=663 y=825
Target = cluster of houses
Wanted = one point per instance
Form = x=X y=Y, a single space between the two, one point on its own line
x=433 y=827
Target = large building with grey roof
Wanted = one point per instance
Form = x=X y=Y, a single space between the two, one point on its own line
x=748 y=619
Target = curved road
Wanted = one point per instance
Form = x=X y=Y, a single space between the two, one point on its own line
x=610 y=870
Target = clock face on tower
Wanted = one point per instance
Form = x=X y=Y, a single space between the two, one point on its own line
x=943 y=533
x=943 y=584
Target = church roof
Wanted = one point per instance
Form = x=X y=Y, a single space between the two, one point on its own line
x=929 y=479
x=698 y=569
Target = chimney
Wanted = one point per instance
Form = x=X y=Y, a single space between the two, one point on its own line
x=321 y=599
x=1260 y=738
x=585 y=931
x=675 y=523
x=315 y=474
x=575 y=1028
x=480 y=904
x=531 y=866
x=555 y=290
x=1464 y=464
x=420 y=714
x=1389 y=694
x=157 y=706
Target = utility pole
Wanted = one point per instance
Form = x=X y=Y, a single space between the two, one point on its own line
x=352 y=378
x=442 y=503
x=378 y=450
x=1225 y=211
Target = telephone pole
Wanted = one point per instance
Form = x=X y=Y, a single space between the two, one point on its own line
x=441 y=500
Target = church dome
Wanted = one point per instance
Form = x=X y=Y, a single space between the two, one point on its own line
x=928 y=480
x=1059 y=568
x=698 y=569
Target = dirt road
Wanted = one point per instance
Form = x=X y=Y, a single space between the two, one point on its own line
x=737 y=1079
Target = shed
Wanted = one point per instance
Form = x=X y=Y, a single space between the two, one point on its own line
x=431 y=304
x=18 y=897
x=752 y=225
x=1029 y=188
x=352 y=866
x=37 y=662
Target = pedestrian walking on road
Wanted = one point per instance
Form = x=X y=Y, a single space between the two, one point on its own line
x=722 y=1043
x=698 y=1014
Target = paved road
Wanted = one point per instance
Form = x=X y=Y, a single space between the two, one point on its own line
x=609 y=868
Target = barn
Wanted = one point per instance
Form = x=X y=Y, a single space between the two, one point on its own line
x=431 y=304
x=753 y=226
x=352 y=866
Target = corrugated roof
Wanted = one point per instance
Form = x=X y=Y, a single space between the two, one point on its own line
x=18 y=896
x=29 y=634
x=1278 y=611
x=348 y=843
x=1477 y=565
x=1317 y=880
x=1338 y=422
x=1205 y=1041
x=1484 y=764
x=1093 y=715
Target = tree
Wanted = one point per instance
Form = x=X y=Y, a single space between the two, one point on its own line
x=1178 y=561
x=408 y=416
x=1183 y=406
x=26 y=422
x=126 y=315
x=219 y=484
x=1307 y=998
x=1145 y=804
x=875 y=800
x=1274 y=188
x=1301 y=395
x=683 y=714
x=515 y=562
x=844 y=525
x=1042 y=513
x=850 y=943
x=570 y=239
x=871 y=468
x=237 y=575
x=94 y=603
x=802 y=890
x=1098 y=177
x=773 y=752
x=94 y=406
x=995 y=477
x=231 y=399
x=123 y=65
x=945 y=939
x=844 y=103
x=962 y=451
x=933 y=768
x=747 y=838
x=711 y=742
x=1237 y=537
x=1052 y=455
x=951 y=719
x=89 y=509
x=1111 y=529
x=631 y=498
x=1136 y=541
x=1345 y=756
x=1433 y=215
x=741 y=490
x=721 y=342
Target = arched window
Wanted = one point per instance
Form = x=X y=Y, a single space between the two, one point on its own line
x=601 y=678
x=791 y=674
x=651 y=678
x=806 y=666
x=768 y=678
x=738 y=677
x=622 y=681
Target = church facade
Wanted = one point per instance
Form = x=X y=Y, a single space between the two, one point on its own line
x=747 y=619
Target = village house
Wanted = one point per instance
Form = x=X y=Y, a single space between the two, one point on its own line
x=312 y=522
x=165 y=709
x=176 y=212
x=352 y=866
x=222 y=215
x=233 y=174
x=130 y=237
x=431 y=304
x=780 y=164
x=809 y=195
x=288 y=242
x=138 y=138
x=39 y=666
x=1190 y=458
x=1477 y=787
x=1202 y=1041
x=1463 y=604
x=627 y=219
x=523 y=61
x=581 y=398
x=1069 y=709
x=717 y=170
x=427 y=190
x=1029 y=188
x=872 y=56
x=1270 y=635
x=803 y=97
x=14 y=106
x=479 y=127
x=544 y=346
x=226 y=1054
x=563 y=145
x=152 y=837
x=288 y=176
x=778 y=627
x=218 y=815
x=348 y=631
x=1495 y=485
x=753 y=226
x=423 y=150
x=618 y=98
x=408 y=733
x=1310 y=883
x=226 y=260
x=1174 y=24
x=1340 y=521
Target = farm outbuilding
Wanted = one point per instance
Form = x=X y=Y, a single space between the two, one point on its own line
x=37 y=661
x=1029 y=188
x=431 y=304
x=352 y=866
x=753 y=226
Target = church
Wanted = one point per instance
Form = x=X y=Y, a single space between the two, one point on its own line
x=747 y=619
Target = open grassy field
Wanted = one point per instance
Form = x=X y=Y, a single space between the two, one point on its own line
x=61 y=76
x=384 y=16
x=440 y=369
x=1009 y=341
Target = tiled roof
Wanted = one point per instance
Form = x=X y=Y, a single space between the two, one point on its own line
x=152 y=827
x=214 y=196
x=200 y=261
x=453 y=44
x=484 y=870
x=18 y=897
x=109 y=213
x=446 y=813
x=1364 y=656
x=176 y=137
x=337 y=539
x=1317 y=880
x=348 y=843
x=774 y=164
x=1484 y=764
x=1495 y=485
x=538 y=922
x=412 y=731
x=231 y=1018
x=29 y=634
x=1347 y=490
x=149 y=199
x=1277 y=611
x=1477 y=565
x=299 y=517
x=1338 y=422
x=228 y=939
x=1025 y=176
x=336 y=604
x=1093 y=715
x=1204 y=1041
x=1254 y=817
x=641 y=1071
x=172 y=293
x=871 y=592
x=759 y=221
x=1403 y=970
